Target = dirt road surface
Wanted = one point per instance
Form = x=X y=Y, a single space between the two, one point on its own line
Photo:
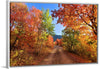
x=57 y=56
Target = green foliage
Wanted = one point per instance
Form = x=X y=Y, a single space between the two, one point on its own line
x=44 y=35
x=47 y=22
x=68 y=38
x=16 y=31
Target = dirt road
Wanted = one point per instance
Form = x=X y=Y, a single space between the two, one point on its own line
x=57 y=56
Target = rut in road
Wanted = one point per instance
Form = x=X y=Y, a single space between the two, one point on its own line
x=57 y=56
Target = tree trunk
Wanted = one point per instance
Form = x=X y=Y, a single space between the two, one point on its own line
x=12 y=47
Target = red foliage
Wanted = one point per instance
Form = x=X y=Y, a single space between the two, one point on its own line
x=58 y=42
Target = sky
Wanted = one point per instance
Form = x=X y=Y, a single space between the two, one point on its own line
x=58 y=27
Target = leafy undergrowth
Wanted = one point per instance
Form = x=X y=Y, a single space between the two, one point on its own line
x=23 y=58
x=77 y=58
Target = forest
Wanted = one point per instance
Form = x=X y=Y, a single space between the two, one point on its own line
x=32 y=34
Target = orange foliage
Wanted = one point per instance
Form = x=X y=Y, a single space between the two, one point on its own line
x=50 y=41
x=78 y=17
x=25 y=24
x=58 y=42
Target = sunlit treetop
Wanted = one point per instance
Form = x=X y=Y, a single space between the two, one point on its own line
x=73 y=15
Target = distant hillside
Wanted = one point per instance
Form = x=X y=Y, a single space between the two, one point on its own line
x=57 y=36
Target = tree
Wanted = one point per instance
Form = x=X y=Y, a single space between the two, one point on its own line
x=50 y=41
x=69 y=39
x=81 y=15
x=58 y=42
x=24 y=25
x=47 y=22
x=17 y=21
x=17 y=12
x=45 y=30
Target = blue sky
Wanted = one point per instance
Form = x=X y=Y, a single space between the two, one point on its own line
x=58 y=27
